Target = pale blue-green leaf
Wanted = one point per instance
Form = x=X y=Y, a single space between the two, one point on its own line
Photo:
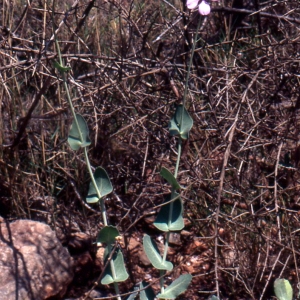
x=173 y=128
x=172 y=210
x=74 y=139
x=213 y=297
x=283 y=289
x=181 y=123
x=177 y=287
x=166 y=174
x=134 y=294
x=107 y=235
x=103 y=183
x=153 y=255
x=148 y=293
x=120 y=271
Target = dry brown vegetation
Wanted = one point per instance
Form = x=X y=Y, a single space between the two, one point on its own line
x=129 y=59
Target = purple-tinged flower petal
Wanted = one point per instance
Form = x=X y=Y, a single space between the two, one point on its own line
x=204 y=8
x=191 y=4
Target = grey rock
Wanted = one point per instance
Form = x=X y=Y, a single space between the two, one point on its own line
x=33 y=263
x=175 y=239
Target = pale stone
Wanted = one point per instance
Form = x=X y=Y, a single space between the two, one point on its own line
x=33 y=263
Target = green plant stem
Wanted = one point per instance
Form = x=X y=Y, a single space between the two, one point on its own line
x=113 y=272
x=67 y=91
x=162 y=272
x=116 y=287
x=103 y=210
x=190 y=66
x=166 y=246
x=64 y=77
x=161 y=281
x=185 y=96
x=178 y=156
x=72 y=107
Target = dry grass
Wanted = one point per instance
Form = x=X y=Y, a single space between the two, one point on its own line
x=129 y=62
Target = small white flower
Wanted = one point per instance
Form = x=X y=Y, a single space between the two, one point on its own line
x=204 y=8
x=191 y=4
